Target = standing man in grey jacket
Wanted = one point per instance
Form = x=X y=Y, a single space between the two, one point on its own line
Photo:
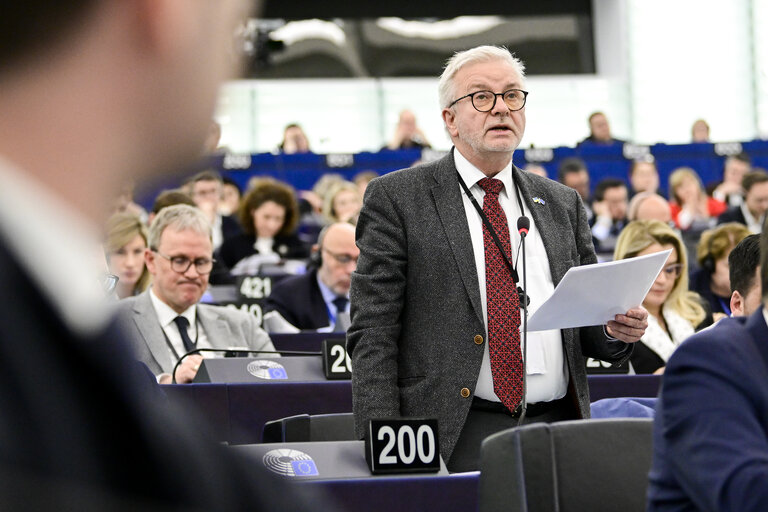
x=435 y=312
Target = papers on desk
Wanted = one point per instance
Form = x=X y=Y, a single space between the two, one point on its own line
x=275 y=322
x=594 y=294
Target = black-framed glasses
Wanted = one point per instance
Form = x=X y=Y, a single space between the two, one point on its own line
x=343 y=259
x=673 y=270
x=181 y=264
x=484 y=101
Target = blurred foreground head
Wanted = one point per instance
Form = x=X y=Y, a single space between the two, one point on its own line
x=95 y=91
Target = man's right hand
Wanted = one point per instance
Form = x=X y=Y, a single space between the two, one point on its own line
x=186 y=370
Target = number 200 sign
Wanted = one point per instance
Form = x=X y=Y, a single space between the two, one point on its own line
x=402 y=445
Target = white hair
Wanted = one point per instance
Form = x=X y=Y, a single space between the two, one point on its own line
x=180 y=217
x=446 y=87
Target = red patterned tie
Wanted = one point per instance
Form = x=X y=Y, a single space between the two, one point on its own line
x=503 y=303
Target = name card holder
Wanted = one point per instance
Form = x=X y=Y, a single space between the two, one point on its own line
x=402 y=445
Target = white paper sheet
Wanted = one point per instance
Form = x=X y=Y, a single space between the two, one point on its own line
x=594 y=294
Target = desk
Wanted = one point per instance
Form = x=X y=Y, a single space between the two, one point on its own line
x=451 y=493
x=238 y=412
x=303 y=341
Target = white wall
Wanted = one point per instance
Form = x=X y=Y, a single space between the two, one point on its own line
x=661 y=65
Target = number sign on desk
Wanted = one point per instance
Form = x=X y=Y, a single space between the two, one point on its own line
x=402 y=445
x=336 y=362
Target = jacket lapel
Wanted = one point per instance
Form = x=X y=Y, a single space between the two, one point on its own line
x=544 y=222
x=145 y=318
x=450 y=208
x=216 y=327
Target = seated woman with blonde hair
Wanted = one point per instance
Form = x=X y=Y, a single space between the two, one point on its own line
x=674 y=312
x=125 y=244
x=342 y=203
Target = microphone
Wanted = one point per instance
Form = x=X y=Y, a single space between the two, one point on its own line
x=239 y=352
x=523 y=225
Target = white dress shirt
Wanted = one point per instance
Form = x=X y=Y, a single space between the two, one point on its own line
x=166 y=315
x=547 y=371
x=753 y=224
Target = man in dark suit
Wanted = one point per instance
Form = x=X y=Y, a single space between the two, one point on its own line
x=167 y=320
x=431 y=277
x=599 y=132
x=752 y=210
x=711 y=428
x=92 y=92
x=314 y=300
x=205 y=191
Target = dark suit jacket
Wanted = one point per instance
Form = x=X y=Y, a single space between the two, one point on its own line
x=80 y=423
x=416 y=300
x=230 y=227
x=711 y=427
x=298 y=300
x=732 y=214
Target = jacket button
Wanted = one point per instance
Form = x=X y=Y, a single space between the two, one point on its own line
x=465 y=392
x=478 y=339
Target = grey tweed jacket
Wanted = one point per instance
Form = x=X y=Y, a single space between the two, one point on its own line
x=415 y=298
x=224 y=327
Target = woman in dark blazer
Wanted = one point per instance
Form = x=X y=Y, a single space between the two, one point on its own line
x=269 y=214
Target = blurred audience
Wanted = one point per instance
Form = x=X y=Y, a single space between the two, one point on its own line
x=407 y=134
x=649 y=206
x=314 y=300
x=573 y=173
x=126 y=242
x=729 y=190
x=744 y=275
x=711 y=280
x=124 y=202
x=212 y=139
x=610 y=208
x=294 y=140
x=362 y=179
x=269 y=215
x=205 y=189
x=751 y=212
x=674 y=312
x=691 y=207
x=342 y=203
x=230 y=196
x=700 y=131
x=169 y=198
x=644 y=176
x=536 y=169
x=599 y=132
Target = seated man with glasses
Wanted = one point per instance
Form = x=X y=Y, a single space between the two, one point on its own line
x=316 y=299
x=167 y=321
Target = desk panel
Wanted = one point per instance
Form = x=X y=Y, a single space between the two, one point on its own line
x=238 y=412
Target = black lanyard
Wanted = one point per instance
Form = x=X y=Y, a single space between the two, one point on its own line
x=170 y=345
x=489 y=226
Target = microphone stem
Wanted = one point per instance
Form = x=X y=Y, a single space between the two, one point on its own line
x=524 y=403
